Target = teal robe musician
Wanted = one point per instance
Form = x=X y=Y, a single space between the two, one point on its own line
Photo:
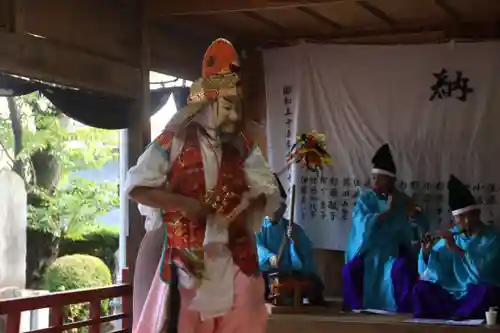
x=277 y=236
x=381 y=258
x=459 y=274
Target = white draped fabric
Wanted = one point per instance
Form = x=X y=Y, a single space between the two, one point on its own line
x=436 y=105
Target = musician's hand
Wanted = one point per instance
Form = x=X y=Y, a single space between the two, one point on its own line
x=450 y=224
x=273 y=261
x=388 y=210
x=411 y=210
x=449 y=239
x=289 y=232
x=427 y=243
x=390 y=202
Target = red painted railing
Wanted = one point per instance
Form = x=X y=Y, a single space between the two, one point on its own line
x=57 y=302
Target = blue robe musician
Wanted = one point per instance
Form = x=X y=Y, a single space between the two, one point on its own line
x=459 y=274
x=296 y=252
x=381 y=260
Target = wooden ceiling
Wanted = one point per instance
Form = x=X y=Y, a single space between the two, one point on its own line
x=260 y=23
x=102 y=45
x=91 y=44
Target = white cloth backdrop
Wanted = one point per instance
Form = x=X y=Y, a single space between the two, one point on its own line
x=364 y=96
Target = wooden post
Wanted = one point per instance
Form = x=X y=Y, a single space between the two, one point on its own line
x=254 y=98
x=56 y=319
x=297 y=296
x=16 y=16
x=139 y=136
x=13 y=322
x=127 y=306
x=95 y=316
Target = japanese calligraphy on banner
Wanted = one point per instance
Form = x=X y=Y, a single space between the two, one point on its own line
x=437 y=106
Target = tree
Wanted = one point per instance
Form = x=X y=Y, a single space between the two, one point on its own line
x=45 y=149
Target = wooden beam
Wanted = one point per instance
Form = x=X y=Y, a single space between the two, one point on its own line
x=41 y=59
x=4 y=13
x=451 y=12
x=320 y=18
x=179 y=56
x=269 y=23
x=400 y=34
x=254 y=98
x=15 y=22
x=196 y=7
x=199 y=28
x=377 y=12
x=103 y=28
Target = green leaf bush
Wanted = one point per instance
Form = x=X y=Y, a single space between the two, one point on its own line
x=45 y=247
x=101 y=242
x=75 y=272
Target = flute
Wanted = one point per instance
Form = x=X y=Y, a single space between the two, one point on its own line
x=433 y=238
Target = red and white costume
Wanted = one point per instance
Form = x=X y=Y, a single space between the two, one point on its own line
x=189 y=160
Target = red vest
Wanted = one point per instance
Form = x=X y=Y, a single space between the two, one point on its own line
x=184 y=238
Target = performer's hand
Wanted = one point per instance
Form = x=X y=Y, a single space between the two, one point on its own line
x=260 y=201
x=221 y=221
x=194 y=209
x=273 y=261
x=215 y=250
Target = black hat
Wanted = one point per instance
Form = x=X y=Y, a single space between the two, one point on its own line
x=382 y=161
x=460 y=198
x=280 y=186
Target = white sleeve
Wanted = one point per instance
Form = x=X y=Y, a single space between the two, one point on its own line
x=261 y=180
x=151 y=171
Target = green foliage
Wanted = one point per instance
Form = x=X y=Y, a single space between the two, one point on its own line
x=45 y=127
x=46 y=148
x=97 y=233
x=101 y=242
x=100 y=148
x=75 y=272
x=52 y=148
x=74 y=207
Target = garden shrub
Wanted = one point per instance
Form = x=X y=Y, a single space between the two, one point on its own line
x=99 y=242
x=75 y=272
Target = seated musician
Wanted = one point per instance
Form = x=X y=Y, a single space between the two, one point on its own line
x=381 y=260
x=459 y=274
x=296 y=253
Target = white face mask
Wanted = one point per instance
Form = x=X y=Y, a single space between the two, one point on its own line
x=226 y=113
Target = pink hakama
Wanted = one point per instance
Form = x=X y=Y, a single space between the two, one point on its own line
x=248 y=314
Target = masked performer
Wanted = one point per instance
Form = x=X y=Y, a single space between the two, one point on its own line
x=459 y=274
x=381 y=262
x=209 y=187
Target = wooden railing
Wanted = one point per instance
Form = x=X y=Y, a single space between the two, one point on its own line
x=56 y=302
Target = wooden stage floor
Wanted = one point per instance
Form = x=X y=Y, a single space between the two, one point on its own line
x=333 y=321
